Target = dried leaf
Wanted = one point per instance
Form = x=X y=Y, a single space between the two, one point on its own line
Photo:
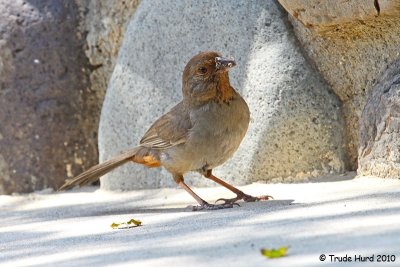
x=135 y=222
x=124 y=225
x=274 y=253
x=115 y=225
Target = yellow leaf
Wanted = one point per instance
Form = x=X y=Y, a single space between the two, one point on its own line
x=274 y=253
x=129 y=224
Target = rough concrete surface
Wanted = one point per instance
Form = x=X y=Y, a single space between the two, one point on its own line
x=351 y=57
x=337 y=217
x=296 y=129
x=46 y=128
x=317 y=13
x=379 y=152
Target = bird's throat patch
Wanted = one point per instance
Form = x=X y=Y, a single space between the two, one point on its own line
x=225 y=92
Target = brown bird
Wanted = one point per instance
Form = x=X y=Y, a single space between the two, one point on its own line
x=198 y=134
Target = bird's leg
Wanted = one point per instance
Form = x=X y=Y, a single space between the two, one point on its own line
x=203 y=205
x=239 y=194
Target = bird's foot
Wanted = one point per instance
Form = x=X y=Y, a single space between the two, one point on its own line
x=207 y=206
x=245 y=197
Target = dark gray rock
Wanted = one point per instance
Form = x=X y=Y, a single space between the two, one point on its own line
x=296 y=129
x=105 y=23
x=47 y=112
x=379 y=151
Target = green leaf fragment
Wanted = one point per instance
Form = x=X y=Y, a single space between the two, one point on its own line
x=274 y=253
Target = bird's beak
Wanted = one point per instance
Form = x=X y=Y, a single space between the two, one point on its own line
x=222 y=63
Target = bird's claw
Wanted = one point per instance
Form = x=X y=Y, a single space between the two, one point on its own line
x=264 y=197
x=245 y=197
x=207 y=206
x=228 y=200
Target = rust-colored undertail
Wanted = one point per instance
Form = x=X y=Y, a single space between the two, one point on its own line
x=94 y=173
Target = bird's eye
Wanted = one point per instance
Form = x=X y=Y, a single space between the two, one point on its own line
x=203 y=70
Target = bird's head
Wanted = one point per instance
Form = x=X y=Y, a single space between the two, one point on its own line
x=205 y=75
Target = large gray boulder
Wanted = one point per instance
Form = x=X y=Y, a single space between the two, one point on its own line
x=47 y=130
x=296 y=129
x=379 y=151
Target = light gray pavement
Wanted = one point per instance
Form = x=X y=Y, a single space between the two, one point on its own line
x=343 y=216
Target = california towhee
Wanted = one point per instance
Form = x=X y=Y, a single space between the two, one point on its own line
x=198 y=134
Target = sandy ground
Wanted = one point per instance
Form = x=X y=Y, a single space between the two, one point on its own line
x=358 y=216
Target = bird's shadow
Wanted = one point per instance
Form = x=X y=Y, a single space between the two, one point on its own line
x=268 y=205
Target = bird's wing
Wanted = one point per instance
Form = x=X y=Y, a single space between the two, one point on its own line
x=169 y=130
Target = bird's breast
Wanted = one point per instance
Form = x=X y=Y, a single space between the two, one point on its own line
x=218 y=129
x=216 y=133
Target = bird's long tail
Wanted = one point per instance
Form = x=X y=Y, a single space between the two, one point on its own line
x=95 y=172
